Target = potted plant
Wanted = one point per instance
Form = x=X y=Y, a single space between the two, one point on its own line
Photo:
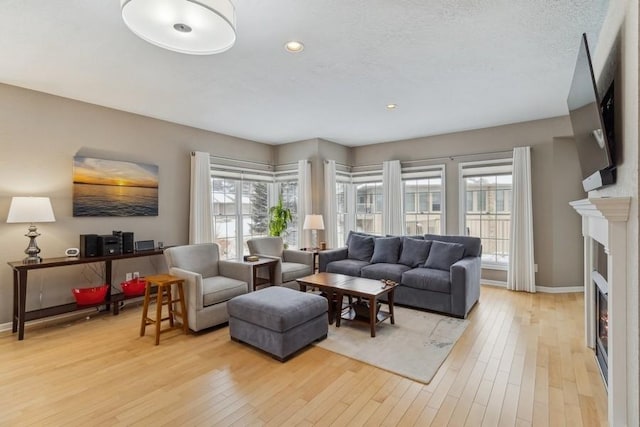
x=280 y=217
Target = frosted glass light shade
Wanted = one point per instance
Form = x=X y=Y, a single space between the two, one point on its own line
x=313 y=222
x=202 y=27
x=31 y=210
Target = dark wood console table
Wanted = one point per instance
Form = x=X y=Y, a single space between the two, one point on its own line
x=20 y=270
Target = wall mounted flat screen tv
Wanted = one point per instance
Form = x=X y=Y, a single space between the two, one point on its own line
x=593 y=134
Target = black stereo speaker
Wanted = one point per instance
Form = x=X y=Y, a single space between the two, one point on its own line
x=127 y=242
x=108 y=245
x=88 y=245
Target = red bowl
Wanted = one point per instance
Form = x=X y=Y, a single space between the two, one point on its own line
x=88 y=296
x=133 y=288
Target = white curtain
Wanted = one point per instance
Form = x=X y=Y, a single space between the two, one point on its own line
x=200 y=218
x=392 y=212
x=521 y=276
x=304 y=201
x=330 y=207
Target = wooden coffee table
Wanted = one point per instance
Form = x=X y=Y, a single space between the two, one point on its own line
x=337 y=286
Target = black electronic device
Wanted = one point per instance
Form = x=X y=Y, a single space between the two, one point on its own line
x=127 y=242
x=108 y=245
x=592 y=122
x=145 y=245
x=88 y=245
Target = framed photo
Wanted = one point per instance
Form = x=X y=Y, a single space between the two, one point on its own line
x=114 y=188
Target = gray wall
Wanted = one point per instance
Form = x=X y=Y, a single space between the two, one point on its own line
x=556 y=181
x=40 y=134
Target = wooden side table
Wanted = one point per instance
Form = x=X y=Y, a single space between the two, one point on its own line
x=164 y=282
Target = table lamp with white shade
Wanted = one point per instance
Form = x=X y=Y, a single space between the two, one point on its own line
x=31 y=210
x=314 y=223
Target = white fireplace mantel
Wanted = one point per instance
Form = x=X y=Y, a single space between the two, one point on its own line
x=605 y=221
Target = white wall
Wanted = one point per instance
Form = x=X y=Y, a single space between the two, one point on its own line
x=617 y=54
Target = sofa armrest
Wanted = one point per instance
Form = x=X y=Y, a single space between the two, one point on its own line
x=465 y=285
x=235 y=270
x=325 y=257
x=192 y=287
x=297 y=256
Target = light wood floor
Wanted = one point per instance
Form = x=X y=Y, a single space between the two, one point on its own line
x=521 y=362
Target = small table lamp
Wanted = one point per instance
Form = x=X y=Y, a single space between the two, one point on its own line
x=31 y=210
x=314 y=223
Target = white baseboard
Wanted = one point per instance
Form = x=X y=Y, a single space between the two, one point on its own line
x=560 y=289
x=498 y=283
x=542 y=289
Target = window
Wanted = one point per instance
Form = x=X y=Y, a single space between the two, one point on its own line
x=342 y=209
x=241 y=202
x=486 y=189
x=289 y=191
x=369 y=207
x=423 y=191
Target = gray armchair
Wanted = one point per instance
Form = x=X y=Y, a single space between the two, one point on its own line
x=209 y=282
x=293 y=263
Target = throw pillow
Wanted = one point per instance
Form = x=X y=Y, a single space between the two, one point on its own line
x=360 y=247
x=386 y=250
x=414 y=252
x=443 y=255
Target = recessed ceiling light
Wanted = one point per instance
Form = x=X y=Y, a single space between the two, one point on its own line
x=392 y=106
x=294 y=46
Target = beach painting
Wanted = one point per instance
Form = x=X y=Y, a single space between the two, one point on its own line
x=114 y=188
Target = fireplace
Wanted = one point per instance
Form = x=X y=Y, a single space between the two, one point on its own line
x=601 y=315
x=604 y=220
x=602 y=332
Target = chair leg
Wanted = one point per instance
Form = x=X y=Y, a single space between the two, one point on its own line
x=145 y=309
x=159 y=299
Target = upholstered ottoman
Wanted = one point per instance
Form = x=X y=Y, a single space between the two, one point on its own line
x=278 y=320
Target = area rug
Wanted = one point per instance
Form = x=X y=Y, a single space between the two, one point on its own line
x=414 y=347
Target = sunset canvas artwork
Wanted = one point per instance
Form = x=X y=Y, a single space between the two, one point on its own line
x=114 y=188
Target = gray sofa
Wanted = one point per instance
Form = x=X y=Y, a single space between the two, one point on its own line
x=438 y=273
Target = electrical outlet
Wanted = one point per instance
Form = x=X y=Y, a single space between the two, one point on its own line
x=136 y=275
x=128 y=277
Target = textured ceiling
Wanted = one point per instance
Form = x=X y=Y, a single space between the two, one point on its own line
x=450 y=65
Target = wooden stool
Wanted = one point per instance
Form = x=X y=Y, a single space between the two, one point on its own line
x=163 y=297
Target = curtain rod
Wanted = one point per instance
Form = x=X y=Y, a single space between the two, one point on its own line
x=459 y=156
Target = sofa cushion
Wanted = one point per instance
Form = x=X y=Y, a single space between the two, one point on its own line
x=472 y=245
x=429 y=279
x=359 y=233
x=350 y=267
x=414 y=252
x=384 y=271
x=360 y=247
x=219 y=289
x=293 y=270
x=386 y=250
x=443 y=255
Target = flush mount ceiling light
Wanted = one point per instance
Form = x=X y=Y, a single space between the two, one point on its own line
x=202 y=27
x=294 y=46
x=392 y=106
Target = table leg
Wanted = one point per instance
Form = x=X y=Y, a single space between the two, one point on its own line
x=390 y=303
x=108 y=275
x=14 y=326
x=254 y=273
x=334 y=310
x=272 y=274
x=22 y=302
x=372 y=315
x=338 y=310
